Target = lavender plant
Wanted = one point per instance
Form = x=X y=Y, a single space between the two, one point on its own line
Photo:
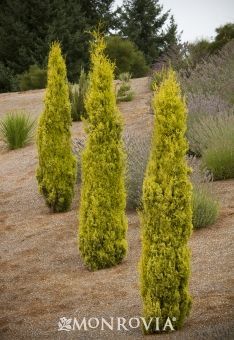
x=209 y=92
x=219 y=156
x=204 y=129
x=205 y=206
x=214 y=75
x=137 y=149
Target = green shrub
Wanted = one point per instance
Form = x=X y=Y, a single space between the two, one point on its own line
x=219 y=156
x=205 y=208
x=34 y=78
x=124 y=93
x=8 y=81
x=126 y=56
x=166 y=216
x=56 y=172
x=16 y=129
x=102 y=221
x=204 y=130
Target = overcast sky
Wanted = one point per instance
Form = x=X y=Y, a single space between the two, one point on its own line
x=198 y=18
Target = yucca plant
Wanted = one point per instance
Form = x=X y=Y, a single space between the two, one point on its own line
x=17 y=129
x=77 y=95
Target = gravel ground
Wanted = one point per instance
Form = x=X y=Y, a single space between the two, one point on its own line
x=42 y=276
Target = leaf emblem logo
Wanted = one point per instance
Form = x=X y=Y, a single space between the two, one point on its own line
x=65 y=324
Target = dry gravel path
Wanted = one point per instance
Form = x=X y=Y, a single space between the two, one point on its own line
x=42 y=276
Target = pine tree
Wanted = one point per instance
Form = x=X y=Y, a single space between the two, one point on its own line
x=27 y=29
x=98 y=11
x=102 y=221
x=166 y=216
x=56 y=173
x=143 y=21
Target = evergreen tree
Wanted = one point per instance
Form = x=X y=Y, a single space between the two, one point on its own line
x=166 y=217
x=102 y=221
x=23 y=30
x=224 y=34
x=142 y=21
x=56 y=173
x=98 y=11
x=27 y=29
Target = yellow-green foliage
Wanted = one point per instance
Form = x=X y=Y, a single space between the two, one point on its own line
x=56 y=172
x=102 y=221
x=166 y=216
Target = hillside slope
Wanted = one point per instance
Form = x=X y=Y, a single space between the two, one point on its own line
x=43 y=278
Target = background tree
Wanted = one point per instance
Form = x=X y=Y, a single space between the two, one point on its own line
x=224 y=34
x=23 y=30
x=198 y=51
x=126 y=56
x=102 y=221
x=27 y=29
x=56 y=172
x=98 y=11
x=143 y=22
x=167 y=213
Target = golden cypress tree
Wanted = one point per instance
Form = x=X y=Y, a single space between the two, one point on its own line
x=166 y=216
x=102 y=221
x=56 y=172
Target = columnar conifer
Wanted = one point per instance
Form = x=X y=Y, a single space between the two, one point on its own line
x=102 y=221
x=166 y=216
x=56 y=172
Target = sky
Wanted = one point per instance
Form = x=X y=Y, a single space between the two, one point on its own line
x=198 y=18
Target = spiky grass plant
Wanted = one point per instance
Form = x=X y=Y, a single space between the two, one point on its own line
x=17 y=129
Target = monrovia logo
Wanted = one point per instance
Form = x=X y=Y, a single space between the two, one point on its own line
x=65 y=324
x=117 y=323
